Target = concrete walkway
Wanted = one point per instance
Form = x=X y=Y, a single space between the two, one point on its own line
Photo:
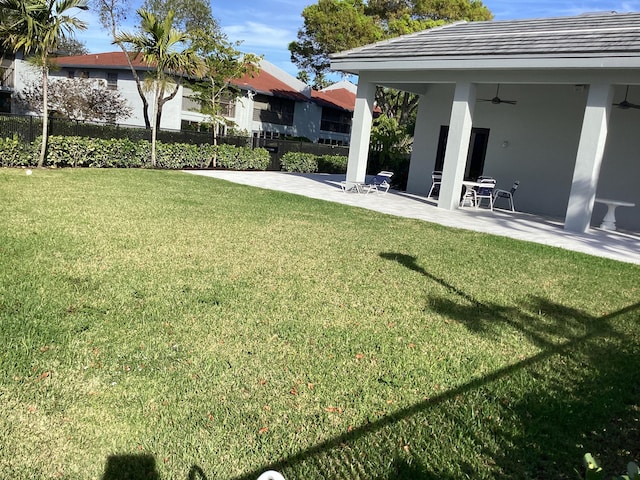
x=622 y=246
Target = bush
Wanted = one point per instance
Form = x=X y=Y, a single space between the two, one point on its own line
x=15 y=153
x=299 y=162
x=71 y=151
x=332 y=164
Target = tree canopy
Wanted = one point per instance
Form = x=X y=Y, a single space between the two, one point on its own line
x=332 y=26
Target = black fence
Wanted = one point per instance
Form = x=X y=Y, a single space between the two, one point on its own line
x=28 y=128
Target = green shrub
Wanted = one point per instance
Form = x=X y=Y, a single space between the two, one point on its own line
x=299 y=162
x=242 y=158
x=71 y=151
x=332 y=164
x=15 y=153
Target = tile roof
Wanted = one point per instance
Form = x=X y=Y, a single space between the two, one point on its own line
x=264 y=82
x=336 y=98
x=104 y=60
x=268 y=84
x=605 y=34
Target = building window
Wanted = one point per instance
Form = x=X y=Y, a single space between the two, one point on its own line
x=278 y=111
x=71 y=74
x=333 y=120
x=333 y=141
x=266 y=135
x=112 y=81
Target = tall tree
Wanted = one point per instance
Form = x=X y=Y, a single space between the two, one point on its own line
x=165 y=49
x=36 y=27
x=331 y=26
x=223 y=62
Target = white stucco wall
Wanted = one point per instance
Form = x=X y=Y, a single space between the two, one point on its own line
x=536 y=142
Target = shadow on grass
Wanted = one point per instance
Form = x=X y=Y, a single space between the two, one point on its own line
x=533 y=419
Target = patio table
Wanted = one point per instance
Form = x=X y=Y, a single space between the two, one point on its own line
x=609 y=220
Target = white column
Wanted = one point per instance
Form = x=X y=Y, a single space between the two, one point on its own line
x=361 y=131
x=420 y=168
x=589 y=158
x=455 y=157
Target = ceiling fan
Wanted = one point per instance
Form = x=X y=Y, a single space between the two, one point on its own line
x=497 y=100
x=625 y=104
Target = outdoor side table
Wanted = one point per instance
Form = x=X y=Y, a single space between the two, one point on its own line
x=609 y=220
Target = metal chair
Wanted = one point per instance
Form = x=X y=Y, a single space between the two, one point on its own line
x=380 y=183
x=508 y=194
x=436 y=181
x=485 y=191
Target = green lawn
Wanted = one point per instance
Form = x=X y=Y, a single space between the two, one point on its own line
x=168 y=326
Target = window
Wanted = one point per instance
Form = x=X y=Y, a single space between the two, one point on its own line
x=112 y=81
x=71 y=74
x=334 y=120
x=267 y=135
x=333 y=141
x=278 y=111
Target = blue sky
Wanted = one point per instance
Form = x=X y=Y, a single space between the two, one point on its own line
x=266 y=27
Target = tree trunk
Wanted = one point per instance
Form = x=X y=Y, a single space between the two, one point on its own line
x=154 y=125
x=45 y=115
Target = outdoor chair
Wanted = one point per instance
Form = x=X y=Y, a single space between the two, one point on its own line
x=380 y=183
x=508 y=194
x=436 y=181
x=485 y=191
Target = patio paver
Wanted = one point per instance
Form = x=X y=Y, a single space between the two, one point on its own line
x=617 y=245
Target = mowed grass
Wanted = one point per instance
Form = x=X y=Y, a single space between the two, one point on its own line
x=163 y=325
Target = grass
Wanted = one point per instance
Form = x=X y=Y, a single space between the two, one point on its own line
x=168 y=326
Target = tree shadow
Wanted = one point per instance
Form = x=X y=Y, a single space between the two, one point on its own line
x=572 y=401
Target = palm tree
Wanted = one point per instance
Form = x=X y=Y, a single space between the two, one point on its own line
x=36 y=27
x=163 y=48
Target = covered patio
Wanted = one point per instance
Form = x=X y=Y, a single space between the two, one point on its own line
x=548 y=102
x=619 y=245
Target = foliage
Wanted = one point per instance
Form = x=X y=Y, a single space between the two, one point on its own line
x=332 y=163
x=593 y=471
x=215 y=330
x=163 y=48
x=70 y=151
x=299 y=162
x=76 y=99
x=188 y=15
x=222 y=63
x=36 y=28
x=16 y=153
x=68 y=46
x=242 y=158
x=331 y=26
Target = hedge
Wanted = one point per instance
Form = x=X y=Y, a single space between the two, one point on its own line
x=70 y=151
x=310 y=163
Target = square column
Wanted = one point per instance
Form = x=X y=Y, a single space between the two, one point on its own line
x=589 y=158
x=455 y=157
x=361 y=131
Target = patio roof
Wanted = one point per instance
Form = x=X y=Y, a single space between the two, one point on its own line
x=594 y=40
x=616 y=245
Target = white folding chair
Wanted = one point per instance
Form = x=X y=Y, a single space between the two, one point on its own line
x=485 y=191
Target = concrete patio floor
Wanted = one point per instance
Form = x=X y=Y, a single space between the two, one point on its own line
x=618 y=245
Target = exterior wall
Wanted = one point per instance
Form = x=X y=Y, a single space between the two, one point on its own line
x=536 y=142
